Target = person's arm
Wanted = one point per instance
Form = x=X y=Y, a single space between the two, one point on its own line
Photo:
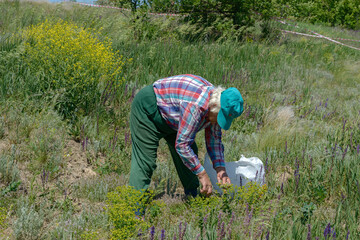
x=215 y=149
x=189 y=124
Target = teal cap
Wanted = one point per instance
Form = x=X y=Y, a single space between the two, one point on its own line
x=231 y=107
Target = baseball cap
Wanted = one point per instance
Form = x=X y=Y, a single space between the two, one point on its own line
x=231 y=107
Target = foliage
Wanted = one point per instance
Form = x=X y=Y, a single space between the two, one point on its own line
x=9 y=171
x=90 y=235
x=72 y=62
x=29 y=222
x=333 y=12
x=123 y=204
x=251 y=194
x=3 y=218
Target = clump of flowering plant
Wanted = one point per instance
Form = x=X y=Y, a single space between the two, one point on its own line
x=126 y=207
x=72 y=62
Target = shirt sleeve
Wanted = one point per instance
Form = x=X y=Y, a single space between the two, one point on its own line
x=189 y=124
x=214 y=146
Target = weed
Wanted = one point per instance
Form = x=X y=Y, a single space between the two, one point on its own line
x=123 y=205
x=29 y=221
x=9 y=171
x=3 y=218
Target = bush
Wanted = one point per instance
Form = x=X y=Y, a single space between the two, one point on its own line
x=73 y=63
x=9 y=171
x=3 y=216
x=122 y=205
x=29 y=222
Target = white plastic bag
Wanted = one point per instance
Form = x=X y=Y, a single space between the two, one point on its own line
x=240 y=172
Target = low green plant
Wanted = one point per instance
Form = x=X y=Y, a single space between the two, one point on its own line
x=122 y=205
x=2 y=128
x=252 y=193
x=90 y=235
x=3 y=217
x=307 y=212
x=91 y=223
x=96 y=188
x=29 y=222
x=9 y=171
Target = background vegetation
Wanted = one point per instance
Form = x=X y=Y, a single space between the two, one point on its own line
x=68 y=75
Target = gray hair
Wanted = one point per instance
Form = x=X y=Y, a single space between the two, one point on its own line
x=214 y=103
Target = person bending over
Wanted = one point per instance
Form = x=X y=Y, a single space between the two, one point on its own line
x=176 y=109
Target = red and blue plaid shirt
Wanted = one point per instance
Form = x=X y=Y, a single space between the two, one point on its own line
x=183 y=102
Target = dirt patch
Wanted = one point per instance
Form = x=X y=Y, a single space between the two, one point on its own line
x=76 y=166
x=77 y=162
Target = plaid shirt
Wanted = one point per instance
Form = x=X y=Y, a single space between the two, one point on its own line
x=183 y=102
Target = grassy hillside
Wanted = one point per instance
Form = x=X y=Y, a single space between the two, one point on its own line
x=65 y=138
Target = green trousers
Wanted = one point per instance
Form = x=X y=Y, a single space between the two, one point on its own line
x=147 y=127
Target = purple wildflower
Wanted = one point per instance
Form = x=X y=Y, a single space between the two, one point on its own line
x=266 y=164
x=267 y=235
x=347 y=235
x=221 y=232
x=309 y=232
x=126 y=89
x=182 y=233
x=346 y=149
x=327 y=231
x=204 y=223
x=152 y=232
x=219 y=221
x=126 y=137
x=358 y=149
x=297 y=174
x=273 y=100
x=180 y=228
x=163 y=234
x=229 y=225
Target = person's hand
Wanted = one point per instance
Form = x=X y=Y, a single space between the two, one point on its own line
x=206 y=186
x=222 y=176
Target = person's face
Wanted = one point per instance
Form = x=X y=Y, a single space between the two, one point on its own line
x=213 y=117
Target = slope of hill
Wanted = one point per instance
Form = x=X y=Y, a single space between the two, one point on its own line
x=301 y=118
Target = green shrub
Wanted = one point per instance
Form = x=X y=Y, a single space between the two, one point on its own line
x=46 y=142
x=72 y=62
x=122 y=205
x=9 y=171
x=29 y=222
x=3 y=217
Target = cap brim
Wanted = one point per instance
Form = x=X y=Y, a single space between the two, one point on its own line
x=222 y=121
